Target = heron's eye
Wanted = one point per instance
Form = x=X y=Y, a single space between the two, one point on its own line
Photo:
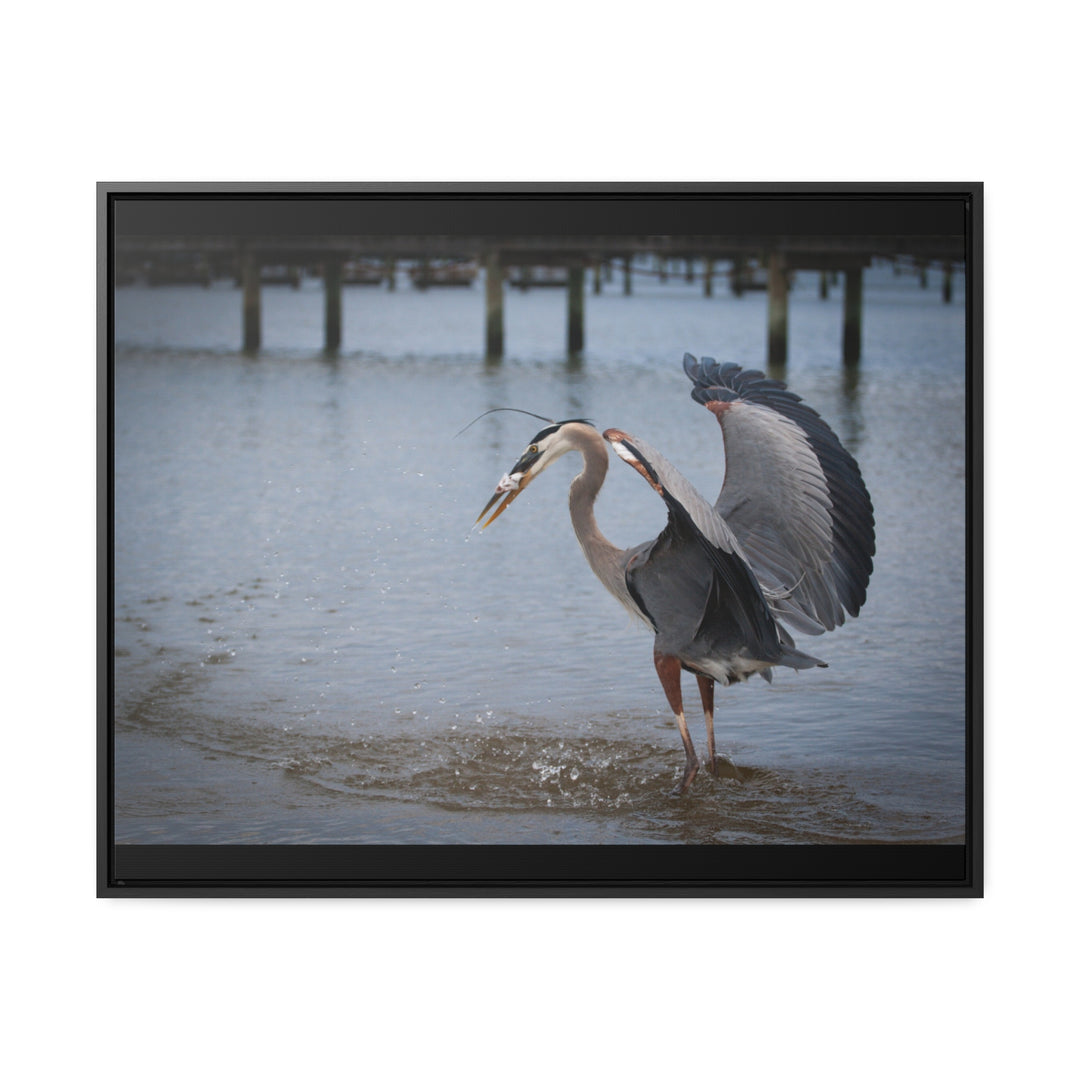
x=534 y=449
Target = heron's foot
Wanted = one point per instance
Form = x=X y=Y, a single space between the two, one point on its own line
x=687 y=779
x=722 y=767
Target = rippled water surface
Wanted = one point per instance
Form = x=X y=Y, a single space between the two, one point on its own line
x=312 y=646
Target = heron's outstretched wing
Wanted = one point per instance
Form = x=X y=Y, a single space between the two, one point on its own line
x=793 y=497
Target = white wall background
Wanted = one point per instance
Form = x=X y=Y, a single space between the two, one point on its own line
x=560 y=91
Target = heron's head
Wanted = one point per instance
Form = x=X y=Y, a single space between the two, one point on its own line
x=547 y=445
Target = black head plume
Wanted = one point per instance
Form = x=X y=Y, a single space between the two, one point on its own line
x=505 y=408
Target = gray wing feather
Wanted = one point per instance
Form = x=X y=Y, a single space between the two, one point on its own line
x=792 y=497
x=703 y=514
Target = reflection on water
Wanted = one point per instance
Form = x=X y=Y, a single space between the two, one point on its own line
x=311 y=645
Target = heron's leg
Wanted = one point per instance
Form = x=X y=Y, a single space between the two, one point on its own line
x=718 y=765
x=706 y=686
x=670 y=671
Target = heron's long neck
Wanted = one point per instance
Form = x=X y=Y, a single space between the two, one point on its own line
x=600 y=552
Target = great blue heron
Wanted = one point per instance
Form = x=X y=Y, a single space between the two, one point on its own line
x=790 y=539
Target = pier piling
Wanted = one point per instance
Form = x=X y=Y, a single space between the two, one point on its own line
x=852 y=315
x=493 y=293
x=249 y=279
x=627 y=274
x=332 y=288
x=946 y=284
x=778 y=311
x=575 y=309
x=738 y=274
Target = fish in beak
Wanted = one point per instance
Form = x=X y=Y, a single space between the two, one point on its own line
x=511 y=485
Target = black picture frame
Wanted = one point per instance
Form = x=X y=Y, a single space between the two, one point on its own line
x=902 y=212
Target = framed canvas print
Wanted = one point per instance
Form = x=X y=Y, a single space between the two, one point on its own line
x=728 y=642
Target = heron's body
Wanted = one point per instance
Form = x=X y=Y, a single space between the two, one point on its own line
x=790 y=538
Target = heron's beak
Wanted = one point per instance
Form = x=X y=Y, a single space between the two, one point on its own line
x=511 y=485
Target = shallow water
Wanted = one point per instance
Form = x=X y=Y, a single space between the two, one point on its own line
x=312 y=646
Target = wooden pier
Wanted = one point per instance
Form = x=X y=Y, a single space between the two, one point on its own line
x=748 y=262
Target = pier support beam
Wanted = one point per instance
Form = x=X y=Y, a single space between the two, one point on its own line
x=823 y=285
x=852 y=315
x=778 y=311
x=575 y=309
x=493 y=296
x=332 y=289
x=627 y=275
x=390 y=267
x=249 y=280
x=738 y=274
x=946 y=284
x=708 y=277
